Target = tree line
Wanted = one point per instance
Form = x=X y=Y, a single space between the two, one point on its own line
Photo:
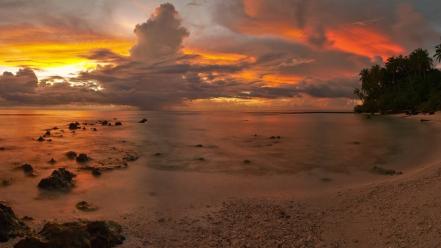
x=408 y=84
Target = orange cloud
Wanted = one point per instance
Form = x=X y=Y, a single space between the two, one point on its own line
x=51 y=47
x=363 y=41
x=208 y=57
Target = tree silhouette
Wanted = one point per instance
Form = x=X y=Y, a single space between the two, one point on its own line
x=438 y=53
x=404 y=84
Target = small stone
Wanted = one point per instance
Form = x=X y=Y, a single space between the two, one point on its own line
x=199 y=145
x=85 y=206
x=143 y=121
x=82 y=158
x=96 y=172
x=71 y=155
x=74 y=125
x=118 y=123
x=40 y=139
x=52 y=161
x=246 y=161
x=27 y=169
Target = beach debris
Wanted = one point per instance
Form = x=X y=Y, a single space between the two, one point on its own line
x=144 y=120
x=59 y=180
x=85 y=206
x=80 y=234
x=74 y=125
x=118 y=123
x=71 y=155
x=382 y=171
x=10 y=225
x=82 y=158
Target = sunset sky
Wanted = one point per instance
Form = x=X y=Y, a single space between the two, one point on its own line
x=203 y=54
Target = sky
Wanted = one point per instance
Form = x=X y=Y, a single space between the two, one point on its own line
x=203 y=54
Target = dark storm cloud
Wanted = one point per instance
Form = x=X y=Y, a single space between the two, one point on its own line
x=23 y=88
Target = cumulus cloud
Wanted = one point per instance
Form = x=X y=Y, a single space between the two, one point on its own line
x=161 y=36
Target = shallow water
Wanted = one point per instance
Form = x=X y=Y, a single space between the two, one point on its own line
x=202 y=157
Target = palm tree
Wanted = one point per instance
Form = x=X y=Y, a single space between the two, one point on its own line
x=438 y=53
x=421 y=61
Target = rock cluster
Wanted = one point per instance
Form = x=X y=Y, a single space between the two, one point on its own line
x=81 y=234
x=10 y=225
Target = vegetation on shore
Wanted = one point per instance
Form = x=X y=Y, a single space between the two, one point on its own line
x=408 y=84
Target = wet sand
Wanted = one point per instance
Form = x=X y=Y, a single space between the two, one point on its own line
x=160 y=207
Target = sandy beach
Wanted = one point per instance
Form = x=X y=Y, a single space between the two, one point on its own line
x=398 y=211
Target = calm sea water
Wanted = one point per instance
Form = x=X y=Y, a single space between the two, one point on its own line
x=202 y=157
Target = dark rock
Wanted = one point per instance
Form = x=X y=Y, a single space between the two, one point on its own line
x=27 y=169
x=96 y=172
x=143 y=121
x=52 y=161
x=71 y=155
x=60 y=180
x=40 y=139
x=158 y=154
x=199 y=145
x=81 y=234
x=85 y=206
x=74 y=125
x=424 y=120
x=104 y=123
x=82 y=158
x=47 y=134
x=2 y=148
x=130 y=157
x=5 y=182
x=31 y=242
x=10 y=225
x=94 y=129
x=246 y=161
x=383 y=171
x=118 y=123
x=201 y=159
